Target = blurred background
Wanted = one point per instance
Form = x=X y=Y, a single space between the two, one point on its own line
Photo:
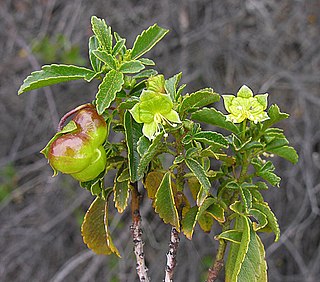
x=272 y=46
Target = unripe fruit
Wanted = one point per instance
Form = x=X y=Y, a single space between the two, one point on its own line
x=80 y=152
x=96 y=166
x=70 y=153
x=92 y=124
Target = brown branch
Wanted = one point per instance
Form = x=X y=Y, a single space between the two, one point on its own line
x=136 y=232
x=218 y=262
x=171 y=255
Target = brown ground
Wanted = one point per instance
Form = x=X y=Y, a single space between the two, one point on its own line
x=270 y=45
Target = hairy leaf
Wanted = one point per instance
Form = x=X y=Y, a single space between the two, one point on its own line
x=133 y=66
x=189 y=222
x=94 y=45
x=121 y=194
x=102 y=32
x=148 y=155
x=165 y=204
x=108 y=88
x=118 y=47
x=146 y=40
x=274 y=116
x=95 y=229
x=171 y=85
x=53 y=74
x=133 y=132
x=152 y=183
x=214 y=117
x=145 y=74
x=286 y=152
x=272 y=220
x=107 y=58
x=211 y=138
x=200 y=174
x=199 y=99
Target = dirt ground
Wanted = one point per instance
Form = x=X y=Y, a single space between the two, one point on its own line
x=272 y=46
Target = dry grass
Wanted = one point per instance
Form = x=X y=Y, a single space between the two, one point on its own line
x=270 y=45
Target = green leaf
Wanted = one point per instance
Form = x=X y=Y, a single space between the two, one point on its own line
x=272 y=220
x=143 y=145
x=171 y=85
x=108 y=88
x=233 y=236
x=165 y=204
x=205 y=222
x=146 y=40
x=253 y=267
x=133 y=132
x=238 y=252
x=286 y=152
x=102 y=32
x=53 y=74
x=107 y=58
x=95 y=62
x=260 y=217
x=200 y=174
x=274 y=116
x=95 y=231
x=216 y=211
x=198 y=99
x=214 y=117
x=147 y=62
x=149 y=155
x=247 y=198
x=133 y=66
x=189 y=222
x=211 y=138
x=266 y=172
x=145 y=74
x=276 y=143
x=118 y=47
x=120 y=192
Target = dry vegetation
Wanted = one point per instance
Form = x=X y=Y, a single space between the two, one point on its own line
x=270 y=45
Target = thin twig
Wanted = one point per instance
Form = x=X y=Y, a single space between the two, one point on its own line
x=172 y=255
x=218 y=262
x=136 y=232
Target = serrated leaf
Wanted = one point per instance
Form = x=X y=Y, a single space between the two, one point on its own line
x=286 y=152
x=108 y=88
x=214 y=117
x=200 y=174
x=272 y=220
x=171 y=85
x=189 y=222
x=107 y=58
x=133 y=66
x=233 y=236
x=216 y=211
x=246 y=198
x=149 y=154
x=145 y=74
x=94 y=45
x=133 y=132
x=276 y=143
x=94 y=229
x=164 y=202
x=205 y=222
x=260 y=217
x=53 y=74
x=198 y=99
x=146 y=40
x=143 y=145
x=238 y=252
x=120 y=192
x=253 y=267
x=152 y=183
x=274 y=116
x=211 y=138
x=102 y=32
x=118 y=46
x=147 y=62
